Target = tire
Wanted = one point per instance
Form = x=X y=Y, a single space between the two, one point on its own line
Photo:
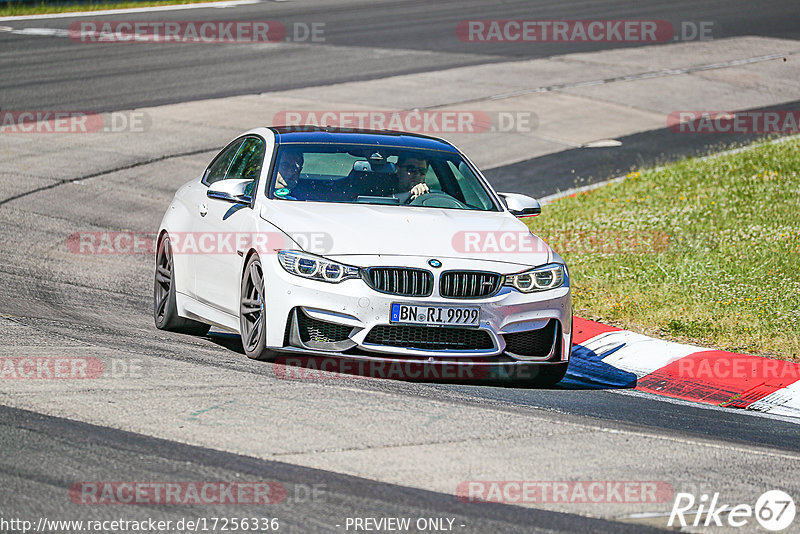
x=165 y=311
x=547 y=375
x=252 y=312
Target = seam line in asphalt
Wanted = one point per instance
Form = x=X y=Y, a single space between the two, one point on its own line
x=626 y=78
x=104 y=172
x=584 y=426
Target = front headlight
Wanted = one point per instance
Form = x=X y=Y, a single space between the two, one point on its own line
x=315 y=267
x=542 y=278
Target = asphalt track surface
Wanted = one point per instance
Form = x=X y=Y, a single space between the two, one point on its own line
x=27 y=436
x=363 y=40
x=59 y=300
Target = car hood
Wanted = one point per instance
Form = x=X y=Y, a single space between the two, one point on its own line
x=353 y=229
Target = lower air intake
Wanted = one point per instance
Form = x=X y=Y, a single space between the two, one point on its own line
x=317 y=331
x=430 y=338
x=532 y=343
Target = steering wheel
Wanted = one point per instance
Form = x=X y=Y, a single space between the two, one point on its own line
x=437 y=199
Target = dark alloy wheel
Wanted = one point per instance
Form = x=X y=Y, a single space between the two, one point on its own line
x=165 y=311
x=252 y=312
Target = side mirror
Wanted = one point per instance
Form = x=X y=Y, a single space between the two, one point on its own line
x=236 y=191
x=521 y=205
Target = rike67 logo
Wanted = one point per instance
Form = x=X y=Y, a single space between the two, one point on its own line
x=774 y=510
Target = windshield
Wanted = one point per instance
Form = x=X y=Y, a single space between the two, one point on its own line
x=376 y=174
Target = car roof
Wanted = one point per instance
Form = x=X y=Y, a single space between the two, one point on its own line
x=317 y=134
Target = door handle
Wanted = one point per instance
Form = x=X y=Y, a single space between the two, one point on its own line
x=203 y=210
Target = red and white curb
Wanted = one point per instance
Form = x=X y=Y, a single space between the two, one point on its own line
x=609 y=357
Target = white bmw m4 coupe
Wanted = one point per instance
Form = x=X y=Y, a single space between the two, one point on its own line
x=363 y=246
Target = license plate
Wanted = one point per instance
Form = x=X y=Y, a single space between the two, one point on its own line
x=436 y=315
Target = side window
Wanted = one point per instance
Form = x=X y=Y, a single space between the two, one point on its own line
x=220 y=165
x=247 y=163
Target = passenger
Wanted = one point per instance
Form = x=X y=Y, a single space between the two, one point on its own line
x=289 y=168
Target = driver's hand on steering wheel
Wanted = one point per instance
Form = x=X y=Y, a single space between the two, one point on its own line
x=419 y=190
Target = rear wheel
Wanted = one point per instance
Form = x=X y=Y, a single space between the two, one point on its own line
x=165 y=310
x=252 y=312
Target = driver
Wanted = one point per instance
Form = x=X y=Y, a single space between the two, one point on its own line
x=289 y=168
x=411 y=171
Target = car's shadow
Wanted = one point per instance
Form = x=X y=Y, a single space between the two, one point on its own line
x=586 y=369
x=226 y=339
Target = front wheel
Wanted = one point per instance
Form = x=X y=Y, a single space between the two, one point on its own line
x=252 y=312
x=165 y=310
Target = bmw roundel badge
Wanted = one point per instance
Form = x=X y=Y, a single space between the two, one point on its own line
x=435 y=263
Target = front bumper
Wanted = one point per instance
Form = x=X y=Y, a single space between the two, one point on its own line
x=346 y=313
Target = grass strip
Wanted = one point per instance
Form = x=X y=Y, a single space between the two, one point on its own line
x=10 y=9
x=703 y=251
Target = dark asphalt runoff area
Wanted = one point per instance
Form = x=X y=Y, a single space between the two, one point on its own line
x=313 y=500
